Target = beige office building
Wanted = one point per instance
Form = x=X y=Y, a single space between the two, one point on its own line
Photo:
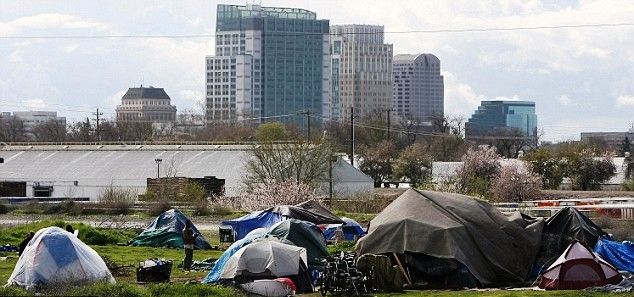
x=365 y=71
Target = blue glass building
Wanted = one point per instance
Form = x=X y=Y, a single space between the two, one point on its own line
x=493 y=118
x=270 y=62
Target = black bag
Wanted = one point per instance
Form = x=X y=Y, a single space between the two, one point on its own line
x=154 y=271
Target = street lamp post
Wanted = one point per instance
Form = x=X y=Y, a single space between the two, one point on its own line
x=158 y=167
x=332 y=160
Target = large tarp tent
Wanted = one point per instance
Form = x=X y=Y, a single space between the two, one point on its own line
x=54 y=256
x=310 y=211
x=495 y=248
x=568 y=225
x=259 y=219
x=303 y=234
x=167 y=231
x=619 y=254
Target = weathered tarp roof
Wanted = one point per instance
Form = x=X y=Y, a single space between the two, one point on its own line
x=310 y=211
x=495 y=248
x=570 y=225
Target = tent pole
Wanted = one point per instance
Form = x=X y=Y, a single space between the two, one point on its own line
x=398 y=261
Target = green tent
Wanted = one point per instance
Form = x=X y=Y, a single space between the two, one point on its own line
x=167 y=231
x=303 y=234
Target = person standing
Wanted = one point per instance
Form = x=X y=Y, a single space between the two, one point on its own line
x=25 y=242
x=189 y=238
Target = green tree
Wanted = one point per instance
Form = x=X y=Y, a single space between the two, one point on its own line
x=547 y=165
x=272 y=131
x=586 y=171
x=377 y=161
x=413 y=164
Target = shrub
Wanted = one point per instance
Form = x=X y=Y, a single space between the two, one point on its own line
x=158 y=208
x=628 y=185
x=118 y=200
x=202 y=208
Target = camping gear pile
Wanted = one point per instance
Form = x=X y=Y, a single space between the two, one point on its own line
x=54 y=256
x=444 y=240
x=154 y=271
x=284 y=242
x=167 y=231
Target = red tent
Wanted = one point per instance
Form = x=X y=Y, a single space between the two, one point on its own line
x=578 y=268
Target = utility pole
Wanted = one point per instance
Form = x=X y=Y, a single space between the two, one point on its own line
x=307 y=113
x=352 y=135
x=97 y=114
x=388 y=124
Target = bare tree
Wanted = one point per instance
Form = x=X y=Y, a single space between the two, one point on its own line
x=50 y=131
x=13 y=129
x=299 y=162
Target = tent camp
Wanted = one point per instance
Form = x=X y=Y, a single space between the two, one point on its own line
x=568 y=225
x=310 y=211
x=578 y=268
x=219 y=265
x=268 y=258
x=619 y=254
x=351 y=229
x=302 y=234
x=55 y=256
x=564 y=227
x=445 y=228
x=247 y=223
x=167 y=231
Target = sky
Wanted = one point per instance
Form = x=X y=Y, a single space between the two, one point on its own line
x=580 y=78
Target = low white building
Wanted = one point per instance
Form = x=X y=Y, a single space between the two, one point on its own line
x=85 y=171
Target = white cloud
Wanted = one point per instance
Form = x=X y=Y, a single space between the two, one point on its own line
x=625 y=101
x=564 y=100
x=70 y=48
x=114 y=100
x=35 y=103
x=50 y=21
x=460 y=98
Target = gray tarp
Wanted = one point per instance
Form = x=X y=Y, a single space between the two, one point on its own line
x=495 y=248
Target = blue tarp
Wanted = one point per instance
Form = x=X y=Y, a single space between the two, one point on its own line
x=219 y=265
x=350 y=229
x=260 y=219
x=619 y=254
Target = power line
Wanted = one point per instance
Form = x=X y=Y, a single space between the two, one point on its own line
x=422 y=31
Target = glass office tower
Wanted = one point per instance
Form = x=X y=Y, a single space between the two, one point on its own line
x=496 y=117
x=270 y=63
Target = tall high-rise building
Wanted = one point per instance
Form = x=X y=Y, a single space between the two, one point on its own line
x=270 y=62
x=498 y=118
x=364 y=76
x=418 y=87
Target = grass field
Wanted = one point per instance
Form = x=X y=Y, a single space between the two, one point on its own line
x=183 y=283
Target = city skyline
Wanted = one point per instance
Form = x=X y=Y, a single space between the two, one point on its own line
x=577 y=76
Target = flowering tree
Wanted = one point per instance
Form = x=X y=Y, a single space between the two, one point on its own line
x=268 y=195
x=514 y=184
x=479 y=167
